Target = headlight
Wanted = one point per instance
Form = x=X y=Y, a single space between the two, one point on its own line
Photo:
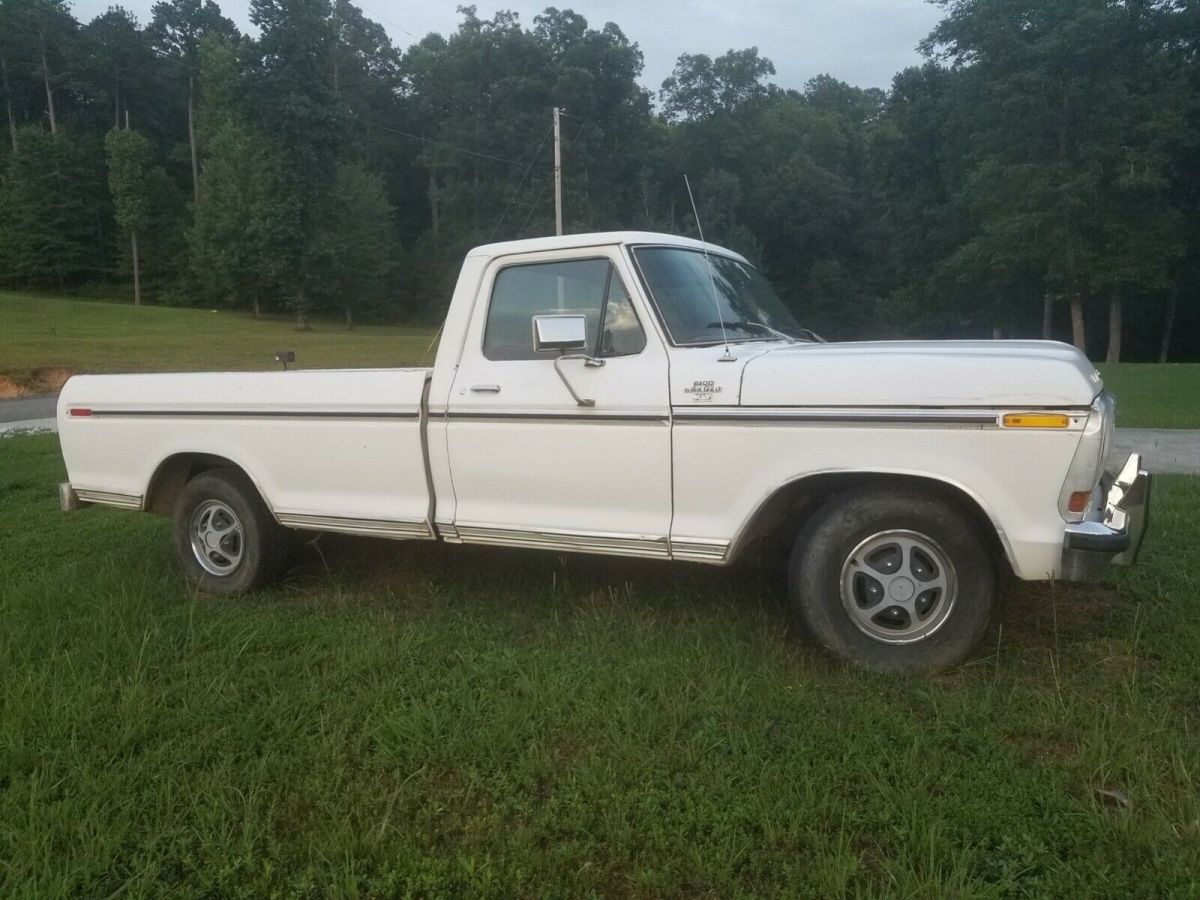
x=1088 y=463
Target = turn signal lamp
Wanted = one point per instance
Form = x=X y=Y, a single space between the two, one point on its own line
x=1036 y=420
x=1078 y=501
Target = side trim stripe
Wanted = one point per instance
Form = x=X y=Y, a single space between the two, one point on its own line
x=752 y=416
x=110 y=498
x=633 y=418
x=248 y=414
x=375 y=527
x=619 y=544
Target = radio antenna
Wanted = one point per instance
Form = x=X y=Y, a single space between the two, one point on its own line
x=712 y=280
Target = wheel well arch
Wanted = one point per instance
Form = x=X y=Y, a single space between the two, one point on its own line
x=786 y=508
x=177 y=470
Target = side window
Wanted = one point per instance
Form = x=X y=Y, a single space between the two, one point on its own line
x=622 y=334
x=587 y=287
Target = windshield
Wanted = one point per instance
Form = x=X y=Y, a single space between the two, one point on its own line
x=682 y=288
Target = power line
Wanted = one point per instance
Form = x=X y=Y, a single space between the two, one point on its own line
x=517 y=189
x=432 y=142
x=532 y=206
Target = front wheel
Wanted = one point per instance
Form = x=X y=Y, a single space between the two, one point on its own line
x=225 y=538
x=893 y=579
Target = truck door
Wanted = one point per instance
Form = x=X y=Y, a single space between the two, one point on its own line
x=530 y=464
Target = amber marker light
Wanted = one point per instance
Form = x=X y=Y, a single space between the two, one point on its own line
x=1078 y=501
x=1036 y=420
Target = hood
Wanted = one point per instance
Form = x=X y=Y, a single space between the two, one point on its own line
x=921 y=373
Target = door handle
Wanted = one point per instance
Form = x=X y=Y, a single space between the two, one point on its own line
x=486 y=388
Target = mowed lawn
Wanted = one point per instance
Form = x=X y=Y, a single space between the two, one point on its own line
x=43 y=337
x=418 y=719
x=1155 y=396
x=40 y=332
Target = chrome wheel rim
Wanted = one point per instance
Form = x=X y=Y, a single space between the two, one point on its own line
x=898 y=586
x=217 y=538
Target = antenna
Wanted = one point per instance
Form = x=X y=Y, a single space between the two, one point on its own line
x=712 y=280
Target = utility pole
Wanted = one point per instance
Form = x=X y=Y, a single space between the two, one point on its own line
x=557 y=174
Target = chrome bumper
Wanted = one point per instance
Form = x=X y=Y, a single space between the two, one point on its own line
x=1111 y=532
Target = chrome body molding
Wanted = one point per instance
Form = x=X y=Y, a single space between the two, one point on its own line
x=577 y=542
x=110 y=498
x=700 y=551
x=750 y=415
x=247 y=414
x=560 y=418
x=397 y=530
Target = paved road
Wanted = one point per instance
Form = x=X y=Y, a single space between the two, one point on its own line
x=1165 y=449
x=26 y=408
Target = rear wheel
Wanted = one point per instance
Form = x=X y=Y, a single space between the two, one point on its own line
x=225 y=538
x=893 y=579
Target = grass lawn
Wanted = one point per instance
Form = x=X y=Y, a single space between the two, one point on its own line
x=410 y=718
x=1155 y=396
x=39 y=332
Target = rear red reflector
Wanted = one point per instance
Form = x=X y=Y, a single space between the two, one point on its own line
x=79 y=411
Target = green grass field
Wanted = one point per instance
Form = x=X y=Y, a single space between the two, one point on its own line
x=417 y=719
x=40 y=334
x=1155 y=396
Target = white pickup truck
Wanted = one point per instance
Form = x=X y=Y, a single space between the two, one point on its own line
x=645 y=395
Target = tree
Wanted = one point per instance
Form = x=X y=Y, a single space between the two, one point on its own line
x=361 y=237
x=700 y=87
x=137 y=183
x=176 y=29
x=291 y=99
x=53 y=210
x=119 y=58
x=44 y=33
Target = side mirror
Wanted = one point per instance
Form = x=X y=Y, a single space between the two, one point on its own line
x=559 y=333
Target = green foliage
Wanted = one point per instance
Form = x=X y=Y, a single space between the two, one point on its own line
x=53 y=211
x=362 y=246
x=1040 y=164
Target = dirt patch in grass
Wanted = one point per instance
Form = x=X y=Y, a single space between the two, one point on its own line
x=44 y=380
x=1037 y=610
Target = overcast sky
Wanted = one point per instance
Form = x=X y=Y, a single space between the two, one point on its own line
x=863 y=42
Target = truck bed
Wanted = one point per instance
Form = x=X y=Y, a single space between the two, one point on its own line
x=335 y=450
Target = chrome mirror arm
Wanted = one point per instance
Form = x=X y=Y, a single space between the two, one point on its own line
x=588 y=361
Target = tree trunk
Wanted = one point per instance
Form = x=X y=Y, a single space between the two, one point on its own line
x=302 y=320
x=997 y=333
x=1047 y=316
x=49 y=94
x=117 y=103
x=257 y=309
x=192 y=139
x=1078 y=338
x=137 y=275
x=1168 y=325
x=1114 y=331
x=349 y=320
x=12 y=120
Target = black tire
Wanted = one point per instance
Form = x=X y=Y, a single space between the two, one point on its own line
x=259 y=554
x=862 y=522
